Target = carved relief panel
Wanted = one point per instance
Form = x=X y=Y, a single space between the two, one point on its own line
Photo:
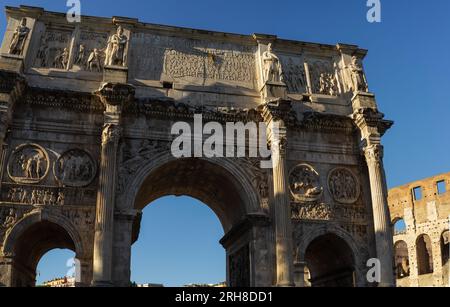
x=343 y=186
x=29 y=164
x=294 y=73
x=324 y=77
x=305 y=184
x=54 y=50
x=90 y=55
x=75 y=168
x=29 y=179
x=239 y=268
x=155 y=58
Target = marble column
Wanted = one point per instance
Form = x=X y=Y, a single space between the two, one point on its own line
x=104 y=226
x=283 y=227
x=381 y=215
x=115 y=96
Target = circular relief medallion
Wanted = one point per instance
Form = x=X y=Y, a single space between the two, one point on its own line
x=28 y=164
x=305 y=184
x=343 y=186
x=75 y=168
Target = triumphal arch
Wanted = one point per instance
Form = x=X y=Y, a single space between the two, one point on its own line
x=86 y=117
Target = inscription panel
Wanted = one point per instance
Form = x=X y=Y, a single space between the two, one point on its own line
x=166 y=58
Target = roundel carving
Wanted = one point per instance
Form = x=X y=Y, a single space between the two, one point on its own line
x=304 y=184
x=343 y=186
x=75 y=168
x=28 y=164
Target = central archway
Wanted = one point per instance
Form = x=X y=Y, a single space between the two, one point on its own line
x=220 y=184
x=178 y=244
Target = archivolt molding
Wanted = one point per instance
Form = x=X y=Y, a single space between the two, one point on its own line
x=146 y=167
x=38 y=216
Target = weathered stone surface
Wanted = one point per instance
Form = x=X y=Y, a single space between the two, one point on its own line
x=85 y=134
x=422 y=248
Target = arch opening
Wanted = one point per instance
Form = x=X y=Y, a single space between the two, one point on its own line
x=57 y=269
x=204 y=180
x=214 y=184
x=185 y=250
x=424 y=255
x=400 y=227
x=402 y=259
x=31 y=246
x=330 y=262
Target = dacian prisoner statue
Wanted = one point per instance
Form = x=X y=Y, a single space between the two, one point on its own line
x=115 y=52
x=19 y=37
x=358 y=77
x=273 y=72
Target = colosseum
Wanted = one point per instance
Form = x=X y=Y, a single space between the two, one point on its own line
x=420 y=213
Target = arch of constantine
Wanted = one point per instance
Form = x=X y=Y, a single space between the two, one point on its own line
x=86 y=112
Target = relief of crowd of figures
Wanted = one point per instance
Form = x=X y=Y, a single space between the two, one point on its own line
x=186 y=58
x=29 y=165
x=307 y=195
x=93 y=52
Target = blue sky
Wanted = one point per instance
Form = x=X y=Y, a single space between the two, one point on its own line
x=408 y=67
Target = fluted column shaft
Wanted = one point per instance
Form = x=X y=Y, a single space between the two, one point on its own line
x=105 y=206
x=381 y=215
x=283 y=227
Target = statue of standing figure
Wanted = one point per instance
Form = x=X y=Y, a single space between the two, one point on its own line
x=115 y=52
x=19 y=37
x=358 y=78
x=273 y=72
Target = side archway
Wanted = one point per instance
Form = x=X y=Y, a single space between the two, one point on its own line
x=332 y=258
x=32 y=237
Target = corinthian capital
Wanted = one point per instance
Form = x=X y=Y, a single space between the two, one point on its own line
x=374 y=153
x=116 y=95
x=111 y=134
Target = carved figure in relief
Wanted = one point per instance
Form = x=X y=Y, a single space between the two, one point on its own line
x=328 y=84
x=43 y=53
x=343 y=186
x=61 y=199
x=19 y=37
x=295 y=77
x=304 y=183
x=75 y=168
x=358 y=77
x=81 y=61
x=273 y=72
x=61 y=60
x=10 y=219
x=32 y=166
x=115 y=52
x=94 y=60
